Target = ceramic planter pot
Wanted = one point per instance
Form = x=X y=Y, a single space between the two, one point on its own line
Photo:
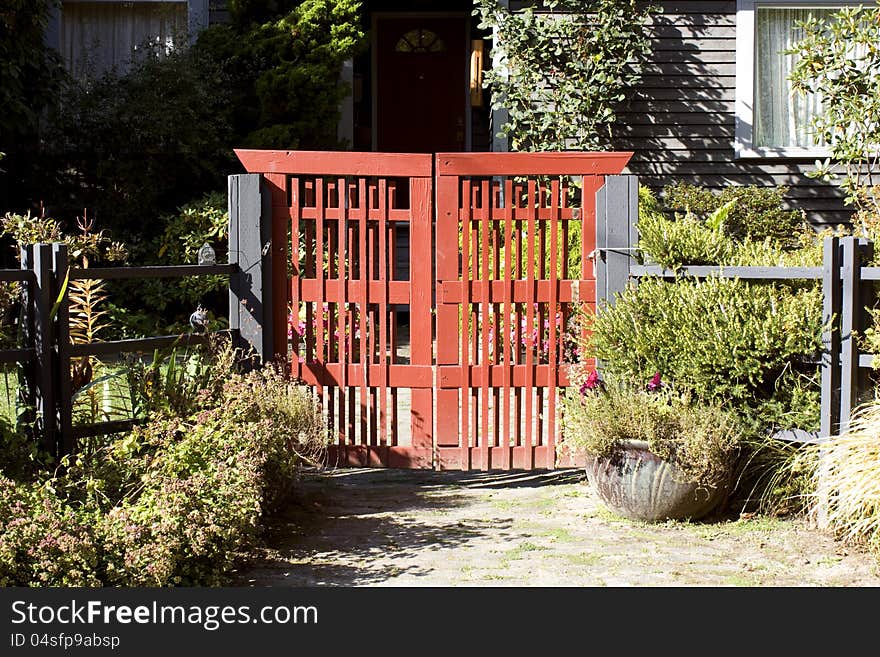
x=639 y=485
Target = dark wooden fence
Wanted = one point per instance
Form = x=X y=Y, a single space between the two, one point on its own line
x=46 y=349
x=847 y=288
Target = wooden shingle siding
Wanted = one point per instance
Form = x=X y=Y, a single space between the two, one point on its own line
x=679 y=119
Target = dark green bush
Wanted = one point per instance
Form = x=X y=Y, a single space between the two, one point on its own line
x=284 y=69
x=756 y=213
x=30 y=79
x=134 y=147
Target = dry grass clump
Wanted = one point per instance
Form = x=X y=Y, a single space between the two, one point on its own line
x=848 y=491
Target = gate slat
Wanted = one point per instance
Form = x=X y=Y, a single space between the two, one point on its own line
x=465 y=353
x=342 y=306
x=384 y=194
x=530 y=323
x=484 y=323
x=421 y=324
x=448 y=252
x=509 y=320
x=295 y=282
x=519 y=192
x=363 y=301
x=551 y=312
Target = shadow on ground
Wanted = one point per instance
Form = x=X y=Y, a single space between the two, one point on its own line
x=343 y=525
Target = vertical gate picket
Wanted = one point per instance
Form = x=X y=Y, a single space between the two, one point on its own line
x=485 y=365
x=421 y=324
x=450 y=265
x=384 y=206
x=465 y=353
x=552 y=363
x=508 y=359
x=364 y=302
x=531 y=211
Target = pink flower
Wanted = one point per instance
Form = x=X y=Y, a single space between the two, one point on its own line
x=590 y=383
x=655 y=384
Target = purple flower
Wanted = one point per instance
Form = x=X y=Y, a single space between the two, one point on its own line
x=655 y=384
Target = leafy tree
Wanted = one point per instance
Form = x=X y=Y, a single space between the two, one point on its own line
x=284 y=72
x=560 y=71
x=30 y=75
x=840 y=60
x=134 y=148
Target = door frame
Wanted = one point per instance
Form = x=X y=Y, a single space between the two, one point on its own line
x=374 y=67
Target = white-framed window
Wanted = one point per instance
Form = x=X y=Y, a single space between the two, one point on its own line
x=97 y=36
x=771 y=121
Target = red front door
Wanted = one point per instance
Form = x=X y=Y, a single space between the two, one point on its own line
x=421 y=84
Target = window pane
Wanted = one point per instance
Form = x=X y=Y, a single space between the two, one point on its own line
x=781 y=118
x=97 y=37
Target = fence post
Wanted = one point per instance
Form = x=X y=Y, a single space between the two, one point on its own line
x=60 y=292
x=617 y=212
x=849 y=355
x=831 y=307
x=38 y=333
x=250 y=287
x=866 y=297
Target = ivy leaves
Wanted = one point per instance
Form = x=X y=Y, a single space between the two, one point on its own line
x=559 y=72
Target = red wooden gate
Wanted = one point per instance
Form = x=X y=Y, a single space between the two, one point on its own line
x=511 y=230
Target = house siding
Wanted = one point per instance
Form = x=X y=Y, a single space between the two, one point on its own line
x=218 y=12
x=679 y=120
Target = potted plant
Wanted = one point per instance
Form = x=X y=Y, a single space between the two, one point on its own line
x=653 y=452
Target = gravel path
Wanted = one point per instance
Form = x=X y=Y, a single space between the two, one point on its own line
x=376 y=527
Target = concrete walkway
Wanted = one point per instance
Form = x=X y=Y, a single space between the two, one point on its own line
x=375 y=527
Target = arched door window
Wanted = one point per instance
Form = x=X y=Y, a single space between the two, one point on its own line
x=420 y=40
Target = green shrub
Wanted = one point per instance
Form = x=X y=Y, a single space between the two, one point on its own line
x=43 y=540
x=30 y=79
x=740 y=343
x=674 y=243
x=131 y=148
x=283 y=65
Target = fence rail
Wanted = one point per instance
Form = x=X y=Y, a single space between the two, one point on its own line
x=47 y=350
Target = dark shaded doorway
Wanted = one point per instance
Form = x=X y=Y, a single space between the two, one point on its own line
x=421 y=84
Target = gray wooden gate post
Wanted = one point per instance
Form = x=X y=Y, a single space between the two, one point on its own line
x=617 y=214
x=250 y=287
